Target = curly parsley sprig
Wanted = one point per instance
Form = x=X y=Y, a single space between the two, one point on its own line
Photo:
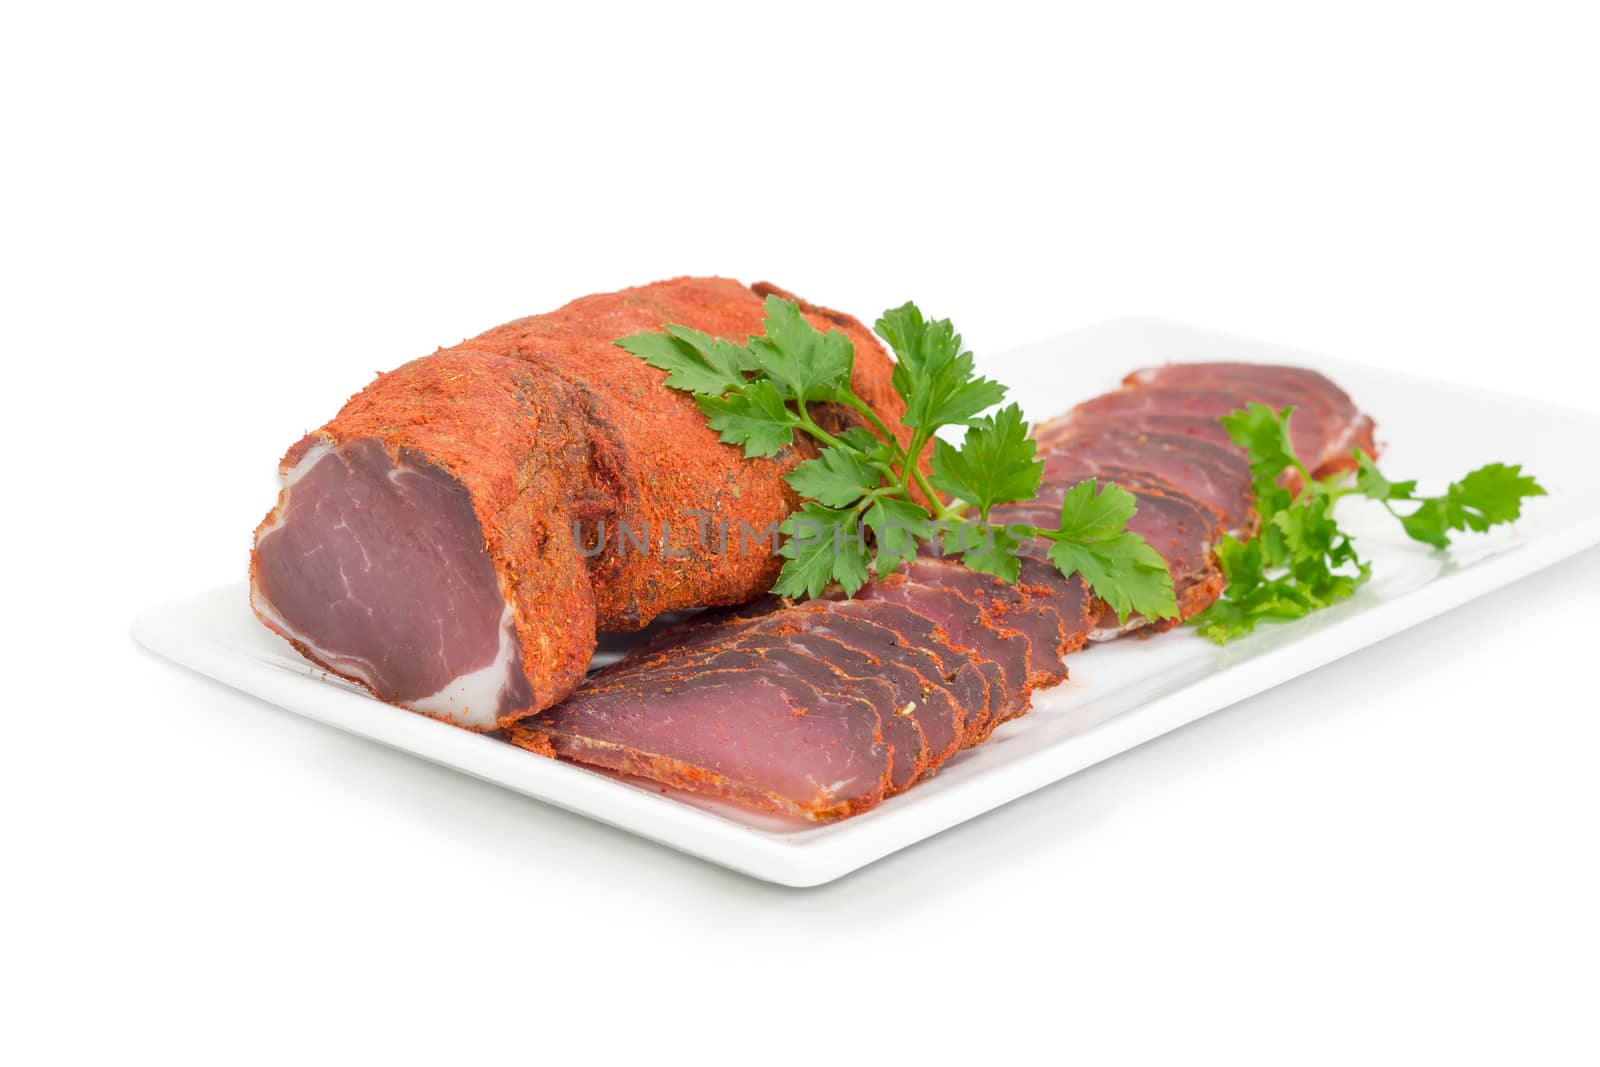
x=1300 y=560
x=867 y=504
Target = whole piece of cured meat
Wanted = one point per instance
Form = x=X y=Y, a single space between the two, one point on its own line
x=455 y=537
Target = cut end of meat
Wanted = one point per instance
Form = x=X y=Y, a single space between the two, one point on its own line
x=374 y=566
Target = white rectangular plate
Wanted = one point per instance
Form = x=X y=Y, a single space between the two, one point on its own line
x=1119 y=695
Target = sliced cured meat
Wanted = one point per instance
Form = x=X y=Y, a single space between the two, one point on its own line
x=963 y=628
x=915 y=630
x=826 y=674
x=1195 y=591
x=758 y=737
x=1064 y=477
x=953 y=689
x=905 y=703
x=954 y=650
x=908 y=751
x=1344 y=427
x=1139 y=408
x=1177 y=528
x=1217 y=476
x=851 y=646
x=1078 y=607
x=1180 y=529
x=1191 y=516
x=1003 y=605
x=1054 y=613
x=709 y=625
x=1195 y=427
x=1208 y=403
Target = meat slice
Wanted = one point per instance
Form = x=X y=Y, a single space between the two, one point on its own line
x=1180 y=529
x=1053 y=490
x=914 y=630
x=901 y=698
x=1005 y=606
x=851 y=646
x=1147 y=406
x=1072 y=599
x=953 y=690
x=964 y=628
x=457 y=535
x=1191 y=514
x=827 y=675
x=1054 y=613
x=707 y=626
x=1343 y=425
x=1207 y=403
x=755 y=736
x=907 y=748
x=1217 y=476
x=1187 y=399
x=1195 y=427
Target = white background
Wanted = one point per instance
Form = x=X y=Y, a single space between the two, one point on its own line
x=218 y=223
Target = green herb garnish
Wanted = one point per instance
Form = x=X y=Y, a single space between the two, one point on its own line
x=1300 y=560
x=867 y=504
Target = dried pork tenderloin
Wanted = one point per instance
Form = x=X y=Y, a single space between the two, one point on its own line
x=453 y=539
x=954 y=651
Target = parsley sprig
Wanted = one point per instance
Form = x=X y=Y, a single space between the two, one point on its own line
x=867 y=504
x=1300 y=560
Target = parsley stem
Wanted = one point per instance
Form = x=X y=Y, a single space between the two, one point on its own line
x=908 y=467
x=911 y=472
x=850 y=399
x=939 y=506
x=816 y=431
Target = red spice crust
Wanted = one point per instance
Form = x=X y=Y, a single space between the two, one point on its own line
x=550 y=427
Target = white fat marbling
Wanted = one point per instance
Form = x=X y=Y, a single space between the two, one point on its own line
x=474 y=699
